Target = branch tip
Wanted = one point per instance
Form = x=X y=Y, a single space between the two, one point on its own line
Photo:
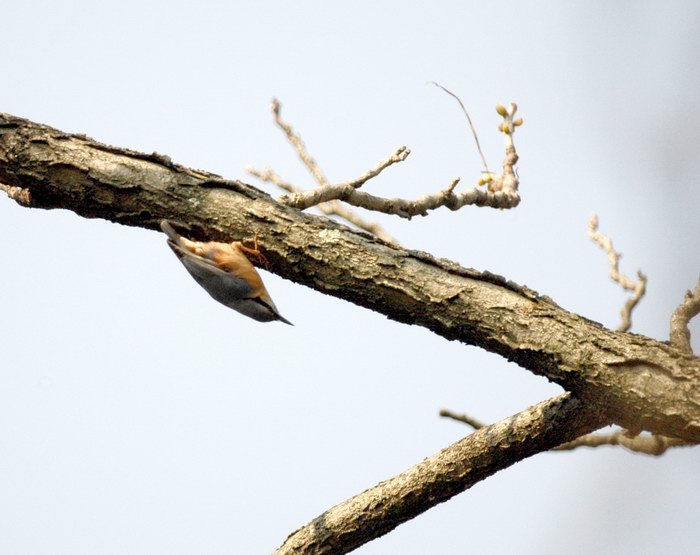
x=638 y=288
x=469 y=120
x=331 y=207
x=501 y=189
x=686 y=311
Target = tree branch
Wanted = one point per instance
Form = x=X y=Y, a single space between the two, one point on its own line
x=469 y=121
x=687 y=310
x=648 y=444
x=453 y=470
x=642 y=384
x=298 y=144
x=330 y=208
x=638 y=289
x=655 y=445
x=502 y=190
x=327 y=192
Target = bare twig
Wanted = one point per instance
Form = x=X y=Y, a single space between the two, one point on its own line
x=380 y=509
x=688 y=309
x=270 y=176
x=508 y=180
x=501 y=191
x=399 y=156
x=402 y=207
x=298 y=144
x=327 y=192
x=464 y=418
x=331 y=208
x=638 y=288
x=471 y=124
x=648 y=444
x=654 y=445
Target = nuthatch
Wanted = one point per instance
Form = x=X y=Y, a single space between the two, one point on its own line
x=225 y=272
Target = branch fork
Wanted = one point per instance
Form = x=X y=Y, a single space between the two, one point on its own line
x=501 y=190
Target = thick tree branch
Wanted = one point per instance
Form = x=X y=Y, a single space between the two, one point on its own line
x=382 y=508
x=640 y=383
x=648 y=444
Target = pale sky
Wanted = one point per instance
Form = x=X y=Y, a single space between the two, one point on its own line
x=138 y=416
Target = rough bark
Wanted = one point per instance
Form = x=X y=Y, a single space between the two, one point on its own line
x=382 y=508
x=638 y=382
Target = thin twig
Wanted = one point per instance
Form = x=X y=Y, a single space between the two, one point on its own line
x=471 y=124
x=464 y=418
x=688 y=309
x=501 y=192
x=638 y=288
x=403 y=207
x=648 y=444
x=399 y=155
x=654 y=445
x=331 y=208
x=269 y=175
x=298 y=144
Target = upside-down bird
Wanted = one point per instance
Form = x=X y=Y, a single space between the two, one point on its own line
x=226 y=273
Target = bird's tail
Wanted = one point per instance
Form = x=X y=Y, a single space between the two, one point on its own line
x=170 y=232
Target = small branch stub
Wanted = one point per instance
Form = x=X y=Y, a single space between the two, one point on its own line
x=688 y=309
x=18 y=194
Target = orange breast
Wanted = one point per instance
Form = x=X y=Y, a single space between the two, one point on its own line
x=230 y=258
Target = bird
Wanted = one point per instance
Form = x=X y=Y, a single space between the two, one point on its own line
x=226 y=273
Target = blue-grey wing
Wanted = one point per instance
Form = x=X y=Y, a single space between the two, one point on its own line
x=221 y=285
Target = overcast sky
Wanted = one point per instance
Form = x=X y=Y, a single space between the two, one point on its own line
x=139 y=416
